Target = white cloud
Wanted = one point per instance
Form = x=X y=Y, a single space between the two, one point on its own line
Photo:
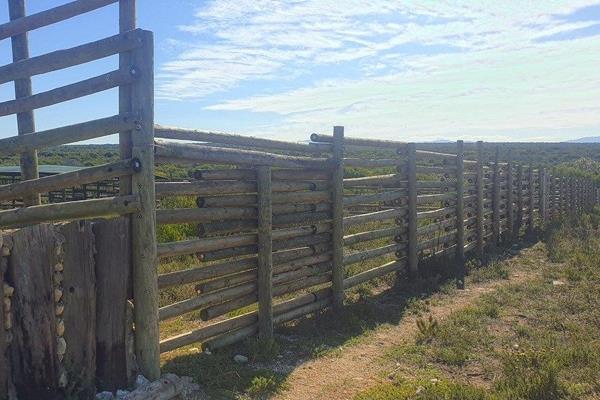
x=499 y=76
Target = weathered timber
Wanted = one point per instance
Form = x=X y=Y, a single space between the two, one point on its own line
x=241 y=200
x=387 y=144
x=265 y=253
x=361 y=277
x=460 y=217
x=337 y=197
x=248 y=174
x=377 y=197
x=479 y=200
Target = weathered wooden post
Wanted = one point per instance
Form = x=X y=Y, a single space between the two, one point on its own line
x=337 y=236
x=531 y=193
x=25 y=120
x=543 y=204
x=265 y=251
x=480 y=230
x=496 y=198
x=143 y=226
x=460 y=217
x=519 y=223
x=510 y=199
x=411 y=156
x=127 y=22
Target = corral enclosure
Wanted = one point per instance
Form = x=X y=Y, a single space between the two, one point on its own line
x=272 y=231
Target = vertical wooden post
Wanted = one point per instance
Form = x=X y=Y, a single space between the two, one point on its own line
x=572 y=198
x=479 y=230
x=25 y=120
x=338 y=217
x=543 y=204
x=460 y=215
x=265 y=251
x=143 y=227
x=127 y=22
x=519 y=223
x=496 y=199
x=510 y=219
x=411 y=157
x=531 y=185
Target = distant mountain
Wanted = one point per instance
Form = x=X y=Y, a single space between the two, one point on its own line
x=588 y=139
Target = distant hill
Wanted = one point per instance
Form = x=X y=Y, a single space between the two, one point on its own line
x=588 y=139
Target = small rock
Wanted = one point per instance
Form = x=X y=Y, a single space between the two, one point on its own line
x=57 y=295
x=61 y=345
x=141 y=380
x=557 y=283
x=240 y=359
x=515 y=346
x=121 y=394
x=104 y=396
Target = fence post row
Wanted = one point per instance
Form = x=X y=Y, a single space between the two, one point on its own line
x=460 y=216
x=510 y=207
x=496 y=198
x=480 y=231
x=411 y=159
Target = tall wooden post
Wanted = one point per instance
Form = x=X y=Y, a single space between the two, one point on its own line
x=543 y=203
x=411 y=157
x=496 y=199
x=338 y=272
x=25 y=120
x=127 y=22
x=531 y=185
x=479 y=230
x=143 y=226
x=460 y=215
x=510 y=207
x=265 y=251
x=519 y=223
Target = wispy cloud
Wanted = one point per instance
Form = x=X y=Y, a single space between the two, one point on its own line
x=394 y=68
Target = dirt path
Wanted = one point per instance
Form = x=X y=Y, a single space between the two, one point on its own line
x=359 y=366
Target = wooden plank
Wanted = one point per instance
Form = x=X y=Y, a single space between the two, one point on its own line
x=33 y=352
x=387 y=144
x=51 y=16
x=67 y=134
x=496 y=198
x=543 y=195
x=510 y=200
x=265 y=253
x=4 y=366
x=460 y=217
x=66 y=58
x=145 y=262
x=25 y=118
x=413 y=266
x=70 y=210
x=479 y=225
x=531 y=193
x=68 y=179
x=79 y=297
x=28 y=102
x=519 y=222
x=113 y=278
x=337 y=236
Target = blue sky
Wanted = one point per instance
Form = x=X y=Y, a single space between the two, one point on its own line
x=406 y=70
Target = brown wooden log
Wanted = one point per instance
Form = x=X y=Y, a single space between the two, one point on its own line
x=208 y=188
x=68 y=179
x=377 y=197
x=51 y=16
x=443 y=225
x=67 y=134
x=387 y=144
x=361 y=256
x=79 y=297
x=248 y=174
x=241 y=200
x=4 y=365
x=113 y=280
x=390 y=180
x=438 y=213
x=68 y=92
x=70 y=210
x=361 y=277
x=374 y=216
x=371 y=163
x=265 y=253
x=460 y=216
x=479 y=201
x=204 y=245
x=201 y=215
x=25 y=118
x=434 y=198
x=227 y=138
x=373 y=235
x=33 y=351
x=496 y=199
x=219 y=155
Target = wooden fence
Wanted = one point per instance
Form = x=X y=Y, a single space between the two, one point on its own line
x=284 y=229
x=134 y=123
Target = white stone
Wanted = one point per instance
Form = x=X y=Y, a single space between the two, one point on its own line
x=57 y=295
x=240 y=359
x=60 y=327
x=61 y=345
x=557 y=283
x=60 y=309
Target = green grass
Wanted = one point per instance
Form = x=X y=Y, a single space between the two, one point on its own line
x=537 y=340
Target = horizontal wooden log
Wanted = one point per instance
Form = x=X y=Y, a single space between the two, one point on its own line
x=390 y=180
x=70 y=57
x=364 y=276
x=51 y=16
x=208 y=188
x=364 y=255
x=374 y=216
x=69 y=92
x=109 y=206
x=433 y=198
x=277 y=198
x=227 y=138
x=222 y=155
x=372 y=163
x=68 y=134
x=377 y=197
x=435 y=185
x=69 y=179
x=441 y=212
x=250 y=174
x=349 y=141
x=435 y=155
x=191 y=215
x=373 y=235
x=437 y=241
x=437 y=226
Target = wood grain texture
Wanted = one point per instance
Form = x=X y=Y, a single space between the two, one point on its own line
x=265 y=253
